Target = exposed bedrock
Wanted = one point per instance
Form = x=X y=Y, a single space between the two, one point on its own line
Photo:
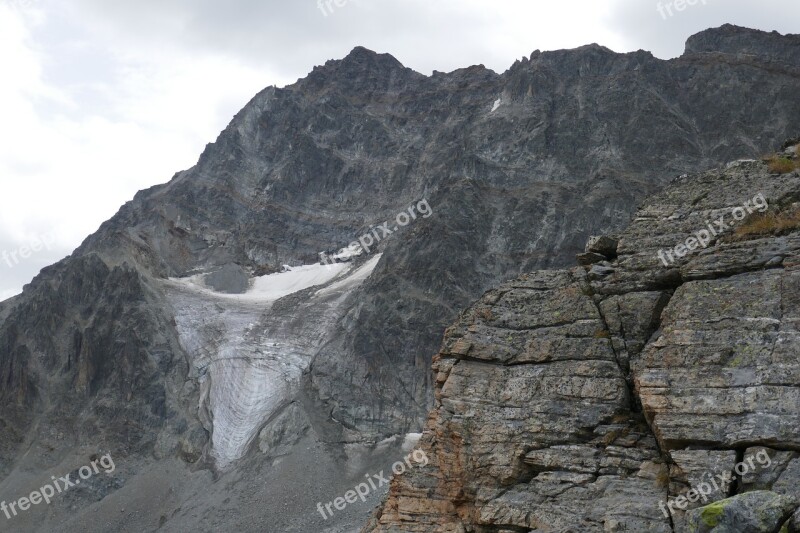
x=594 y=399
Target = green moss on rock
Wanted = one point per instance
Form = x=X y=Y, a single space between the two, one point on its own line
x=712 y=514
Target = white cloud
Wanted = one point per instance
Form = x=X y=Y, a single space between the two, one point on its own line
x=71 y=153
x=7 y=293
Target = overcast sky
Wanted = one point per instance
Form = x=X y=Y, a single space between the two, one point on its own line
x=102 y=98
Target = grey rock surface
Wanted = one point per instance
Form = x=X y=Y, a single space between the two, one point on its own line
x=567 y=401
x=793 y=525
x=754 y=512
x=230 y=279
x=603 y=245
x=590 y=258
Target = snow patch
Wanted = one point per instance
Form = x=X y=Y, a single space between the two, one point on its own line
x=407 y=442
x=276 y=286
x=496 y=104
x=356 y=278
x=346 y=254
x=273 y=286
x=411 y=441
x=739 y=163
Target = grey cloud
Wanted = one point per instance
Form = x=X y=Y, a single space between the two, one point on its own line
x=16 y=271
x=290 y=37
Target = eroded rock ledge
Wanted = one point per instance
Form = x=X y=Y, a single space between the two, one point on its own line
x=578 y=400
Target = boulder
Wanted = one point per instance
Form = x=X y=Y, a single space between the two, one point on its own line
x=603 y=245
x=590 y=258
x=230 y=279
x=753 y=512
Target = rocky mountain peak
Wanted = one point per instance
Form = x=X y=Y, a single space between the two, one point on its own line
x=361 y=55
x=362 y=70
x=738 y=41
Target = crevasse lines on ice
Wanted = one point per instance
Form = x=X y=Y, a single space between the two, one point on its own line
x=249 y=358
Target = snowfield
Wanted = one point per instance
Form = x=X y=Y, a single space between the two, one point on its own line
x=272 y=287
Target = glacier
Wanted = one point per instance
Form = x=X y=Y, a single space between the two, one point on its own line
x=249 y=359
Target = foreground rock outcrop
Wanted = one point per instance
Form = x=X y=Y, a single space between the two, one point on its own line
x=620 y=395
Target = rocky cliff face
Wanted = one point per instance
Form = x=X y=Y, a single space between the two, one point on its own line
x=134 y=343
x=585 y=399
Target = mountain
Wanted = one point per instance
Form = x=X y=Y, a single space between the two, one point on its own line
x=197 y=339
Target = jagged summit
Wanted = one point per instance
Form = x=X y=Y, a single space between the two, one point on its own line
x=362 y=59
x=361 y=70
x=360 y=54
x=370 y=70
x=737 y=40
